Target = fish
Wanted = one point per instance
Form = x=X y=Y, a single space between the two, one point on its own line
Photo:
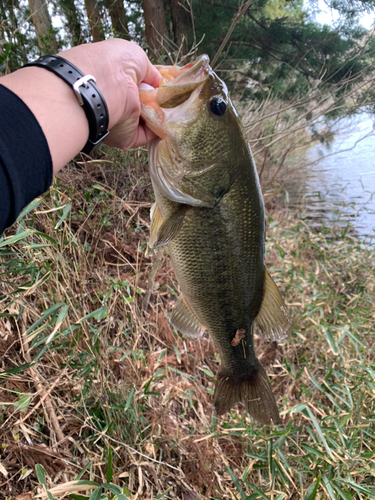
x=209 y=212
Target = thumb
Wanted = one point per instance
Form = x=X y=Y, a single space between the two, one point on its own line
x=152 y=76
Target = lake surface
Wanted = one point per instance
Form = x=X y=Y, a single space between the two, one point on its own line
x=337 y=183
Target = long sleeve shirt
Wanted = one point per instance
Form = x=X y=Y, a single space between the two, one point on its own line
x=25 y=160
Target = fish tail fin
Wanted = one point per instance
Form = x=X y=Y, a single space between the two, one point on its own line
x=254 y=391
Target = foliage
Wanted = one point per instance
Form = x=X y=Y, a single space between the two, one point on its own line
x=275 y=48
x=349 y=9
x=17 y=32
x=73 y=22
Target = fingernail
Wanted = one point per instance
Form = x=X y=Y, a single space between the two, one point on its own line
x=145 y=86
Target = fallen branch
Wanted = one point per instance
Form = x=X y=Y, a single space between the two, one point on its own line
x=38 y=385
x=46 y=395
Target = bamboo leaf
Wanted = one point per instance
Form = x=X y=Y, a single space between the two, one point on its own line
x=98 y=314
x=65 y=214
x=302 y=408
x=15 y=238
x=18 y=369
x=236 y=483
x=312 y=490
x=44 y=316
x=109 y=466
x=116 y=490
x=35 y=203
x=96 y=494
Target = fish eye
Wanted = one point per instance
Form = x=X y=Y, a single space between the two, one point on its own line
x=218 y=106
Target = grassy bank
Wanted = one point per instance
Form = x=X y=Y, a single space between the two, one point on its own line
x=95 y=387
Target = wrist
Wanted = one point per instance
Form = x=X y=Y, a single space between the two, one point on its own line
x=87 y=93
x=56 y=108
x=87 y=59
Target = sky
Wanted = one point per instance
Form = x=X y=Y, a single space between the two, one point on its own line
x=330 y=16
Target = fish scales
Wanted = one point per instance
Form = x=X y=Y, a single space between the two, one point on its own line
x=209 y=211
x=229 y=296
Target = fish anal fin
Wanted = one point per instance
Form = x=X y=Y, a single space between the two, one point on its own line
x=170 y=228
x=273 y=318
x=253 y=391
x=185 y=321
x=156 y=223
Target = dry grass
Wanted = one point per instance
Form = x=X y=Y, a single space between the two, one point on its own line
x=107 y=392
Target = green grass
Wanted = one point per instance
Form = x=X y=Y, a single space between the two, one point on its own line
x=74 y=274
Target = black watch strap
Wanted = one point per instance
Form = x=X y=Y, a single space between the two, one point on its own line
x=87 y=93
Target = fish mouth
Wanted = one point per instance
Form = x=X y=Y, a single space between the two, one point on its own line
x=161 y=105
x=175 y=90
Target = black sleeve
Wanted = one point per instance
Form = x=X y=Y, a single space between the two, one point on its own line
x=25 y=160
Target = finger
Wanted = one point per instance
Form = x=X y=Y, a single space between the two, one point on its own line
x=143 y=136
x=152 y=76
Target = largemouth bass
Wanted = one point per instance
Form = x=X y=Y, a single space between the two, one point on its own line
x=209 y=211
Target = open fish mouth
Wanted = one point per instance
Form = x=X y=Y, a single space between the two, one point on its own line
x=179 y=83
x=175 y=88
x=179 y=86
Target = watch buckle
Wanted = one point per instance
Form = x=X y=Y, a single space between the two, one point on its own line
x=82 y=82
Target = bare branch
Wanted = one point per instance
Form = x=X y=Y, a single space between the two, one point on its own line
x=241 y=11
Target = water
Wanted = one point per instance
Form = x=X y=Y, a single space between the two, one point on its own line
x=337 y=183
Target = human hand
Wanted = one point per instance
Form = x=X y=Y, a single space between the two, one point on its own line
x=119 y=67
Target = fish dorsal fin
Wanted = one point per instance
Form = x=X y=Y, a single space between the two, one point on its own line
x=171 y=227
x=273 y=318
x=156 y=223
x=185 y=321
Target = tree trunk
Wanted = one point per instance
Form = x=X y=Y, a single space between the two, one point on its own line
x=73 y=22
x=182 y=25
x=119 y=21
x=43 y=26
x=95 y=20
x=155 y=26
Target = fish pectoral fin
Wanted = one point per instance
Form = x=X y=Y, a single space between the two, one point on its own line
x=192 y=188
x=253 y=390
x=156 y=223
x=273 y=318
x=170 y=228
x=185 y=321
x=167 y=176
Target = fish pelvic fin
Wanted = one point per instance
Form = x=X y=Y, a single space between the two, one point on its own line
x=156 y=223
x=273 y=318
x=253 y=391
x=171 y=227
x=185 y=321
x=163 y=231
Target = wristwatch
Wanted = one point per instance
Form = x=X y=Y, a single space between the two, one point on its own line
x=87 y=93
